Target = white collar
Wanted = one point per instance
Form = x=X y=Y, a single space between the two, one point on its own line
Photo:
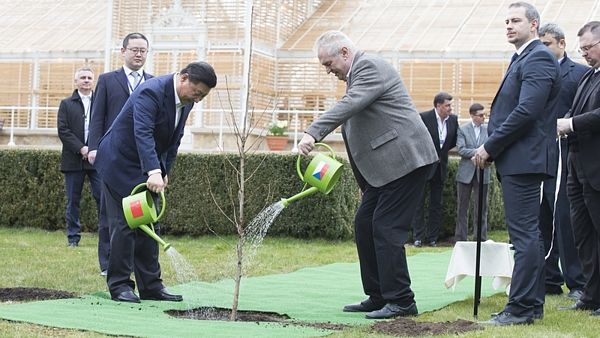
x=520 y=50
x=81 y=95
x=438 y=118
x=178 y=103
x=129 y=70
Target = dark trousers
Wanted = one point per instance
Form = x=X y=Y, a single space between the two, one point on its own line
x=382 y=224
x=463 y=196
x=521 y=195
x=562 y=242
x=103 y=235
x=130 y=251
x=585 y=218
x=429 y=231
x=73 y=188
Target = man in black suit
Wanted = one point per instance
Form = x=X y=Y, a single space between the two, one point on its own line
x=443 y=127
x=72 y=124
x=583 y=182
x=140 y=147
x=522 y=142
x=555 y=222
x=112 y=90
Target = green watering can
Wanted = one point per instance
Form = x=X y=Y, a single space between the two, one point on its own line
x=322 y=174
x=140 y=212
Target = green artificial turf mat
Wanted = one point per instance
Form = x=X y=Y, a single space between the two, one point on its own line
x=311 y=295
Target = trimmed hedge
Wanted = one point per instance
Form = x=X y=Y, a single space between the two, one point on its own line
x=32 y=195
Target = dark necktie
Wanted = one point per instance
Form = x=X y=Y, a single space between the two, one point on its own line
x=512 y=59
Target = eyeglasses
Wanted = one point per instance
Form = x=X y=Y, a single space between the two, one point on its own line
x=480 y=115
x=142 y=51
x=587 y=48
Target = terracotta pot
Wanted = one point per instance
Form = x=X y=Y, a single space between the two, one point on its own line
x=277 y=143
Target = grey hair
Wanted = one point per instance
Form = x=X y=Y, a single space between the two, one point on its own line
x=333 y=42
x=83 y=69
x=552 y=29
x=530 y=12
x=592 y=26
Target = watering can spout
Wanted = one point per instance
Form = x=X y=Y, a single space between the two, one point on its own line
x=302 y=194
x=154 y=236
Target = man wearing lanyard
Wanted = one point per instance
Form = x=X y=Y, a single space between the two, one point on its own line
x=112 y=90
x=443 y=127
x=72 y=124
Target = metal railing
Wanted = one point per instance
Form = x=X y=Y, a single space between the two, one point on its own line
x=215 y=119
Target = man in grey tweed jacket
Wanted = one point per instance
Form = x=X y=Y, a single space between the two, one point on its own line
x=391 y=154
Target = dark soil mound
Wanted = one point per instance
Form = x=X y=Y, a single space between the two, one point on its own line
x=25 y=294
x=216 y=313
x=410 y=328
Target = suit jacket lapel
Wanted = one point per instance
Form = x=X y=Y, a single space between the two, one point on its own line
x=582 y=90
x=513 y=65
x=354 y=62
x=471 y=131
x=433 y=127
x=122 y=80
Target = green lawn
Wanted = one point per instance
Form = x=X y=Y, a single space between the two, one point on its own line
x=35 y=258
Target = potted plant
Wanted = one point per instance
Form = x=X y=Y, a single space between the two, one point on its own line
x=276 y=135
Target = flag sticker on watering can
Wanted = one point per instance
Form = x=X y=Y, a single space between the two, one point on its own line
x=321 y=170
x=136 y=209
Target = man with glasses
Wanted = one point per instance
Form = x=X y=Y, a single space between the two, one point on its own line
x=522 y=143
x=555 y=223
x=582 y=126
x=112 y=90
x=141 y=147
x=471 y=136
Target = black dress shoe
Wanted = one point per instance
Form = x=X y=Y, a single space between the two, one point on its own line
x=126 y=296
x=579 y=305
x=506 y=318
x=366 y=305
x=391 y=310
x=575 y=294
x=161 y=294
x=553 y=290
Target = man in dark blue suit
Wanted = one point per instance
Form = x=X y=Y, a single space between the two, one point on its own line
x=583 y=183
x=443 y=128
x=522 y=142
x=140 y=147
x=555 y=222
x=112 y=90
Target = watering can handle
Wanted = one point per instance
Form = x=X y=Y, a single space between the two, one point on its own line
x=299 y=171
x=163 y=200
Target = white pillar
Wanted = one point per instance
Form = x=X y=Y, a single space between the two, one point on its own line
x=108 y=37
x=245 y=86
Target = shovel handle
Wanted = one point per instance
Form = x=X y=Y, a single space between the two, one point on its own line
x=299 y=170
x=163 y=200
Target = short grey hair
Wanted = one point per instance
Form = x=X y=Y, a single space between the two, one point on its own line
x=592 y=27
x=333 y=42
x=552 y=29
x=530 y=12
x=83 y=69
